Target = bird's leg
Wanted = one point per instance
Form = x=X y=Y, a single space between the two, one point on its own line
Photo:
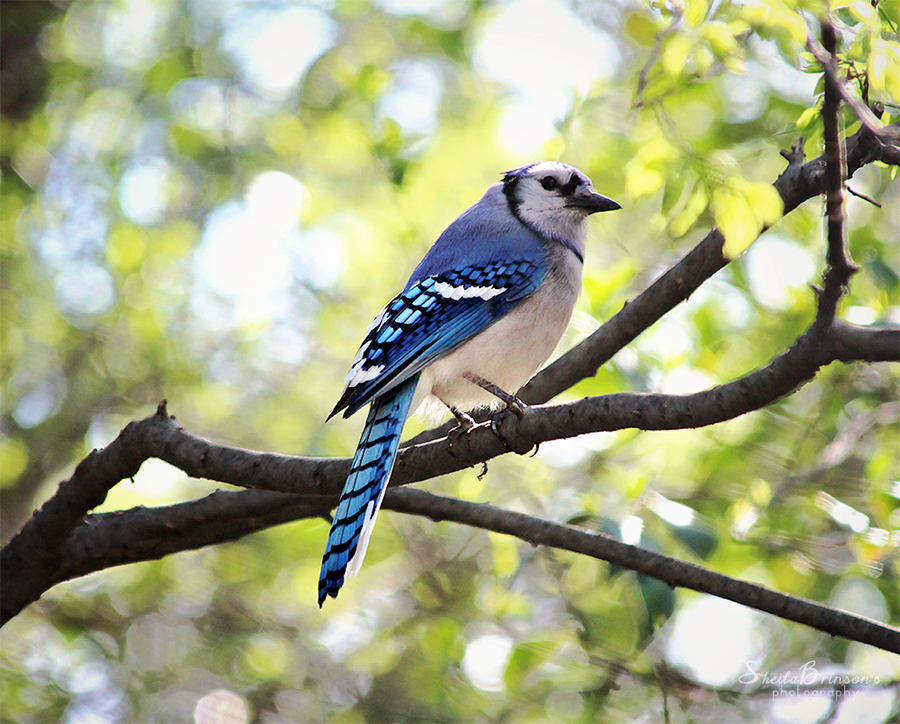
x=464 y=424
x=465 y=420
x=513 y=403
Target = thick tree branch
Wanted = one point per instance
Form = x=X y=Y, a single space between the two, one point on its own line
x=32 y=562
x=105 y=540
x=143 y=534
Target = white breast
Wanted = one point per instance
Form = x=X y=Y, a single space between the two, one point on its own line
x=511 y=350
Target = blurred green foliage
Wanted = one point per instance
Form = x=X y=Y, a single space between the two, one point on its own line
x=209 y=201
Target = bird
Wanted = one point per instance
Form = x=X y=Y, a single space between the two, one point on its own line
x=480 y=314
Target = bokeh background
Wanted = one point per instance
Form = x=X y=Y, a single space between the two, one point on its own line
x=208 y=201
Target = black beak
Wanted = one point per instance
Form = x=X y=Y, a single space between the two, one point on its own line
x=592 y=202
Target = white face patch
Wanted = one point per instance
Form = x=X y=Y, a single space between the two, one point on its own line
x=545 y=210
x=448 y=291
x=535 y=200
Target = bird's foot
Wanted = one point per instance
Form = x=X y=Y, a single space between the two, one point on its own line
x=465 y=423
x=502 y=419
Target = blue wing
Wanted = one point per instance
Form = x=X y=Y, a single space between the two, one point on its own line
x=430 y=319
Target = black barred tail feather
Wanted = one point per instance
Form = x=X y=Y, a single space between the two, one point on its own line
x=364 y=490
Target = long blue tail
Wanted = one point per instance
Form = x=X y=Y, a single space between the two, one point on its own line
x=372 y=464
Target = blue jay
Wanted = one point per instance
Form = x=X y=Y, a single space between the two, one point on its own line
x=480 y=314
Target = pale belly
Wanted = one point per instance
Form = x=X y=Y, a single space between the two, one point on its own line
x=507 y=353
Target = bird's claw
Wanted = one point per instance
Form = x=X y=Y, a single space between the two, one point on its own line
x=517 y=407
x=465 y=421
x=465 y=424
x=497 y=421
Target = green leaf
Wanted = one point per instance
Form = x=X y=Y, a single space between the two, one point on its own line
x=675 y=54
x=742 y=210
x=166 y=73
x=806 y=117
x=525 y=658
x=641 y=28
x=700 y=539
x=695 y=206
x=695 y=12
x=736 y=221
x=659 y=597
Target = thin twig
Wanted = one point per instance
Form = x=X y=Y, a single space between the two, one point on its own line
x=850 y=96
x=862 y=196
x=677 y=17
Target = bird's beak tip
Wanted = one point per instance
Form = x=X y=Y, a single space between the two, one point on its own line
x=594 y=203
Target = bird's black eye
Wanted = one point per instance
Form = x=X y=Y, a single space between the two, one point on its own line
x=549 y=183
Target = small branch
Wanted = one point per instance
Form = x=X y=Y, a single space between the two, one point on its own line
x=849 y=341
x=664 y=568
x=825 y=55
x=677 y=18
x=840 y=268
x=862 y=196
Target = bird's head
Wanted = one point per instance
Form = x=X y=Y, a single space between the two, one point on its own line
x=553 y=198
